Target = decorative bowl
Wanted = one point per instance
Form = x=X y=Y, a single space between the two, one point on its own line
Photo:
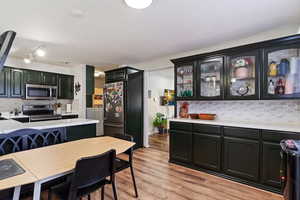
x=207 y=116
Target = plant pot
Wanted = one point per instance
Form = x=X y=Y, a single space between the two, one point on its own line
x=160 y=130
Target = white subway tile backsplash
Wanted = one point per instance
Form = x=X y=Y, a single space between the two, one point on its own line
x=273 y=111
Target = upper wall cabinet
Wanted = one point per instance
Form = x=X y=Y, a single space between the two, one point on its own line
x=4 y=82
x=65 y=87
x=185 y=77
x=16 y=83
x=33 y=77
x=49 y=78
x=282 y=72
x=243 y=76
x=210 y=78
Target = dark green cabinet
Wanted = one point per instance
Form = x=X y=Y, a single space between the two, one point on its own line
x=241 y=158
x=5 y=82
x=33 y=77
x=49 y=78
x=16 y=83
x=65 y=87
x=207 y=151
x=81 y=132
x=181 y=145
x=271 y=164
x=90 y=80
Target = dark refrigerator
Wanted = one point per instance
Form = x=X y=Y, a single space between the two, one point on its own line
x=123 y=103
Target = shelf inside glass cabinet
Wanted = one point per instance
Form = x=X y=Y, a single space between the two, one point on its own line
x=185 y=81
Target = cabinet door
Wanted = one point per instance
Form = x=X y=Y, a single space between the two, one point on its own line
x=185 y=85
x=282 y=72
x=243 y=76
x=49 y=78
x=271 y=164
x=33 y=77
x=210 y=79
x=241 y=158
x=207 y=151
x=4 y=82
x=90 y=81
x=16 y=83
x=181 y=146
x=65 y=87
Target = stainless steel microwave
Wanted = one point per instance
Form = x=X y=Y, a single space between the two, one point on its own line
x=41 y=92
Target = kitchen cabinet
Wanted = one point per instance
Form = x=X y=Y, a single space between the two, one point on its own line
x=81 y=132
x=185 y=80
x=207 y=151
x=5 y=82
x=282 y=72
x=181 y=145
x=90 y=80
x=16 y=83
x=210 y=78
x=33 y=77
x=49 y=78
x=242 y=74
x=65 y=87
x=241 y=158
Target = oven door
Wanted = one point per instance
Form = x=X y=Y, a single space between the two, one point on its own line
x=42 y=92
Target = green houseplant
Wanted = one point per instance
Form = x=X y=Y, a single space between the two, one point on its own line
x=160 y=122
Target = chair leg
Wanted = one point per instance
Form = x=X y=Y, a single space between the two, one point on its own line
x=49 y=194
x=89 y=196
x=134 y=183
x=114 y=189
x=102 y=192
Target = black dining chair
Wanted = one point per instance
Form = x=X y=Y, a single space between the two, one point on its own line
x=122 y=164
x=90 y=174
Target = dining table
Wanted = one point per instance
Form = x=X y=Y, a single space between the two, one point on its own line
x=48 y=163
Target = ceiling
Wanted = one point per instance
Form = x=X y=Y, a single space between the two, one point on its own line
x=105 y=32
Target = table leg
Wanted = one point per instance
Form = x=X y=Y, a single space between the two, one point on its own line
x=37 y=190
x=17 y=191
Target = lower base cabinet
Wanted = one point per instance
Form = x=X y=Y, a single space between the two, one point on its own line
x=250 y=156
x=181 y=146
x=207 y=151
x=81 y=132
x=271 y=164
x=241 y=158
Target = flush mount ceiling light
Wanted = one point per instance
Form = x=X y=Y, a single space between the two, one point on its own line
x=27 y=60
x=40 y=52
x=138 y=4
x=99 y=73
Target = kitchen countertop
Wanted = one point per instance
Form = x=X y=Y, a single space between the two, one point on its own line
x=293 y=127
x=7 y=115
x=12 y=125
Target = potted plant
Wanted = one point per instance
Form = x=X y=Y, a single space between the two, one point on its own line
x=160 y=122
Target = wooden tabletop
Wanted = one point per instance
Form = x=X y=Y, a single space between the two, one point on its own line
x=18 y=180
x=56 y=159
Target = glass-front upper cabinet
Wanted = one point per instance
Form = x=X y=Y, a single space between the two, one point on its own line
x=243 y=76
x=282 y=72
x=184 y=81
x=210 y=78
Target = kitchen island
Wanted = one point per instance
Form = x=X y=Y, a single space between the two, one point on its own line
x=246 y=152
x=78 y=128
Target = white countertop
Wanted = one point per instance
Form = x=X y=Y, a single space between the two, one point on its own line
x=256 y=125
x=12 y=125
x=7 y=115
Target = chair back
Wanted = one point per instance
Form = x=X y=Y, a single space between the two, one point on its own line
x=127 y=138
x=91 y=170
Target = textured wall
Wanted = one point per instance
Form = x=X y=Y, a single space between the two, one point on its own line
x=273 y=111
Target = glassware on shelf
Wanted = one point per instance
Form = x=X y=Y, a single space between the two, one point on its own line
x=210 y=77
x=242 y=76
x=284 y=72
x=185 y=81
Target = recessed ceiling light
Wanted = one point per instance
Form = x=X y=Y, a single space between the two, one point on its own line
x=138 y=4
x=40 y=52
x=27 y=60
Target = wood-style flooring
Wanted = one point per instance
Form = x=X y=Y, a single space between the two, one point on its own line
x=159 y=141
x=157 y=179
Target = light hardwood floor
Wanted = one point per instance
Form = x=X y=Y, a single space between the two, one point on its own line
x=159 y=141
x=157 y=179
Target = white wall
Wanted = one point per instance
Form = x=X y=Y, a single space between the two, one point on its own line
x=78 y=71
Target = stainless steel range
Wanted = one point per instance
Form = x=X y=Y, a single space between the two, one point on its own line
x=40 y=112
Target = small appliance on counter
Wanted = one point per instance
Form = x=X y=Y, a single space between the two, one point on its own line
x=40 y=112
x=290 y=169
x=69 y=108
